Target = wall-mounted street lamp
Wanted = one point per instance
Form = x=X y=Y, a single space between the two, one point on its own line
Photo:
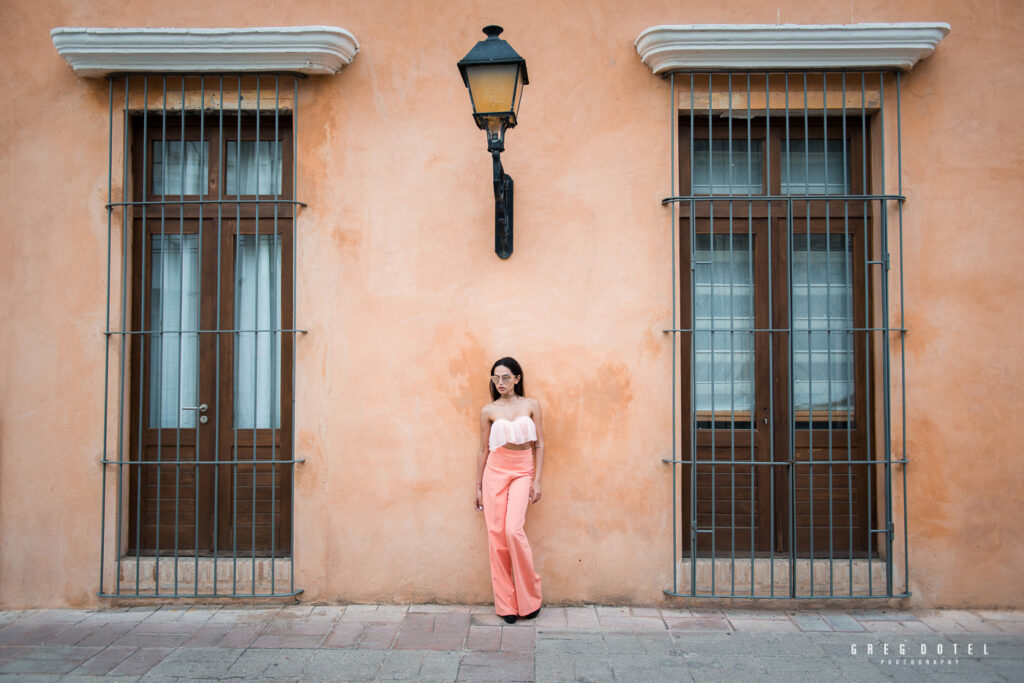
x=495 y=75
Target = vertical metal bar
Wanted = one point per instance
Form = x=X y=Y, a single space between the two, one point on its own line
x=828 y=323
x=732 y=364
x=868 y=240
x=673 y=227
x=771 y=338
x=217 y=370
x=122 y=409
x=274 y=340
x=144 y=286
x=711 y=268
x=106 y=324
x=810 y=356
x=752 y=338
x=886 y=404
x=903 y=339
x=237 y=339
x=255 y=338
x=791 y=417
x=163 y=313
x=203 y=191
x=692 y=419
x=849 y=346
x=181 y=341
x=295 y=286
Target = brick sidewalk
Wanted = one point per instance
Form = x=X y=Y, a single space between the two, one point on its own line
x=469 y=643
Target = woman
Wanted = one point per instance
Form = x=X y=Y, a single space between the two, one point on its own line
x=511 y=438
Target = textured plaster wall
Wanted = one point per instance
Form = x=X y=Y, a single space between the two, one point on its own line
x=407 y=306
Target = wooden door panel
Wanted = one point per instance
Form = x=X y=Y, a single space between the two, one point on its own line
x=839 y=489
x=168 y=495
x=255 y=489
x=257 y=520
x=729 y=500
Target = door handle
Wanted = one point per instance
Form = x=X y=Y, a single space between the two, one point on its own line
x=201 y=408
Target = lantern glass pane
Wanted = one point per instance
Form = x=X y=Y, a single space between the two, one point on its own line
x=519 y=90
x=492 y=87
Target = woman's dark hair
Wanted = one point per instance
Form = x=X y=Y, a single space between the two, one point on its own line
x=516 y=369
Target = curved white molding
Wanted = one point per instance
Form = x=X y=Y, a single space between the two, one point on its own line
x=698 y=47
x=303 y=49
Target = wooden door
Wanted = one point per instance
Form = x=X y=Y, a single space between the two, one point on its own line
x=212 y=350
x=771 y=430
x=775 y=400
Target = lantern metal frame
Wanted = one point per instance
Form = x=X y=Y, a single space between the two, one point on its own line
x=494 y=51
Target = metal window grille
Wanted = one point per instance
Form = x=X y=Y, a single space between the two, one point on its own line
x=198 y=442
x=789 y=421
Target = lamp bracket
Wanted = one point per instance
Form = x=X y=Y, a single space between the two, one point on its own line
x=503 y=190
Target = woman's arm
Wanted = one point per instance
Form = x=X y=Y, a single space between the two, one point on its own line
x=481 y=457
x=538 y=450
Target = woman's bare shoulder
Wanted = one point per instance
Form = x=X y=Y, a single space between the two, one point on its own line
x=533 y=404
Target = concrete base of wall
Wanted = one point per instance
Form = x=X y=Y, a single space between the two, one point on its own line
x=767 y=577
x=204 y=576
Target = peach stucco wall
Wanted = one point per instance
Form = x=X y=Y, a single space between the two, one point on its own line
x=406 y=303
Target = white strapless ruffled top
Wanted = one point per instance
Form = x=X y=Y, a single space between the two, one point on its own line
x=518 y=431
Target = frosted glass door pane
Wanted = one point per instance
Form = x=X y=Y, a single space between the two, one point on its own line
x=719 y=169
x=253 y=166
x=811 y=167
x=174 y=321
x=822 y=313
x=185 y=169
x=257 y=339
x=724 y=303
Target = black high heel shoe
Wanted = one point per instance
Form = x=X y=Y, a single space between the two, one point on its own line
x=509 y=618
x=532 y=614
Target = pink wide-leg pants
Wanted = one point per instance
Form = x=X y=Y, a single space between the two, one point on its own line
x=506 y=494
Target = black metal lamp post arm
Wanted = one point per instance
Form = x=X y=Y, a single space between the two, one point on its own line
x=502 y=207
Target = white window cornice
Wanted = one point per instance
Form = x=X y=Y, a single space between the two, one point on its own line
x=303 y=49
x=703 y=47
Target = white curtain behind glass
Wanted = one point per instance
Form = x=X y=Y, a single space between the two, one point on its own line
x=174 y=320
x=259 y=164
x=804 y=164
x=822 y=301
x=185 y=169
x=724 y=302
x=735 y=167
x=258 y=344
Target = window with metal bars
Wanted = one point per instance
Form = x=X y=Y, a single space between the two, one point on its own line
x=786 y=466
x=203 y=477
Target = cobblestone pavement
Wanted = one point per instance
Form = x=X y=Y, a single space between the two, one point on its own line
x=469 y=643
